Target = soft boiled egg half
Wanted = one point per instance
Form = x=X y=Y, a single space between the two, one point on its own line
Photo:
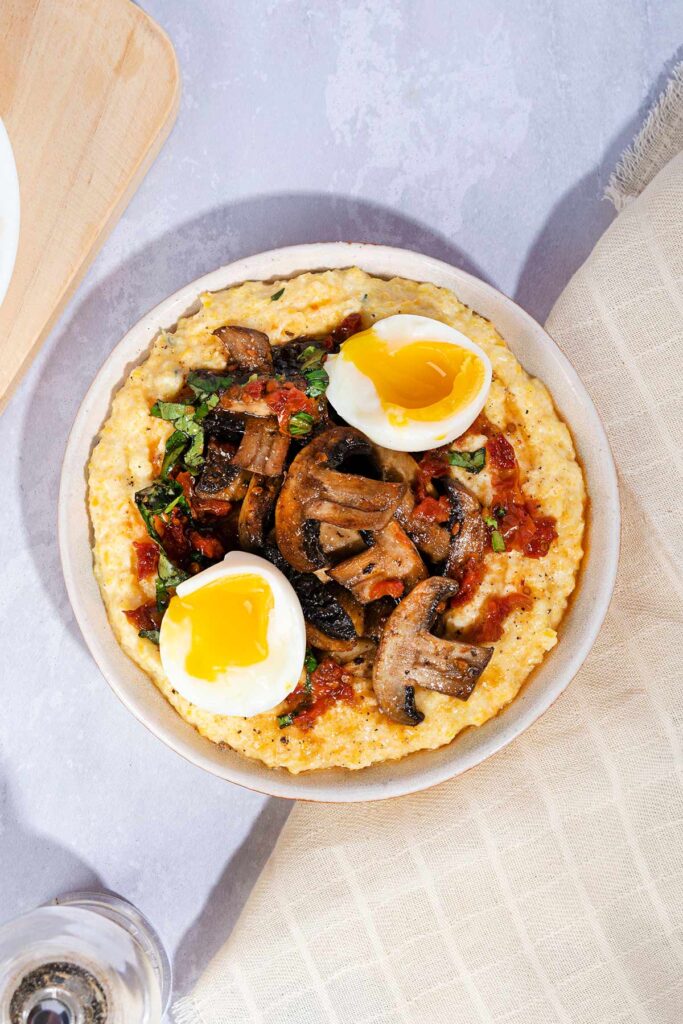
x=233 y=638
x=409 y=383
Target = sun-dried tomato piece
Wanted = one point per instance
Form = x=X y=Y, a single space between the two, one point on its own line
x=147 y=616
x=493 y=615
x=286 y=399
x=434 y=510
x=147 y=558
x=329 y=684
x=208 y=546
x=387 y=588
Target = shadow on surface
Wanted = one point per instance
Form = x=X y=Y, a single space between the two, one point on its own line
x=107 y=311
x=34 y=869
x=579 y=219
x=218 y=916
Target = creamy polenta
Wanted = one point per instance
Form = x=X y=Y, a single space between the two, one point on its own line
x=351 y=735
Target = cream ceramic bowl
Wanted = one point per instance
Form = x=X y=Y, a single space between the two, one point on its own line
x=537 y=353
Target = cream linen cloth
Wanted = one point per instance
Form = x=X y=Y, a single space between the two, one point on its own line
x=546 y=885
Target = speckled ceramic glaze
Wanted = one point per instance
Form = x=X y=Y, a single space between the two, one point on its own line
x=539 y=356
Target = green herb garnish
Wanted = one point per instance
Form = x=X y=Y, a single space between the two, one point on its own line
x=168 y=410
x=284 y=720
x=310 y=664
x=175 y=446
x=316 y=382
x=301 y=424
x=203 y=383
x=169 y=576
x=154 y=501
x=204 y=408
x=150 y=634
x=473 y=462
x=277 y=295
x=497 y=540
x=311 y=356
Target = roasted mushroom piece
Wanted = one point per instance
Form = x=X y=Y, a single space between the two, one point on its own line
x=431 y=538
x=317 y=637
x=314 y=492
x=256 y=509
x=393 y=558
x=263 y=448
x=320 y=602
x=468 y=541
x=409 y=655
x=219 y=477
x=246 y=350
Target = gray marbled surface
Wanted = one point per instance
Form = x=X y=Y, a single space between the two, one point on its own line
x=481 y=133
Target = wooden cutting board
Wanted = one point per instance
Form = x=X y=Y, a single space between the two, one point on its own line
x=89 y=90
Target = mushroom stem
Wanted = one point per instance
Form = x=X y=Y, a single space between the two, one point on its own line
x=410 y=655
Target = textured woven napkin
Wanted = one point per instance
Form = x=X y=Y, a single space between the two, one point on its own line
x=545 y=885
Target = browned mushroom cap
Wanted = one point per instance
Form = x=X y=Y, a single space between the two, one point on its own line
x=409 y=655
x=256 y=509
x=470 y=536
x=432 y=539
x=263 y=448
x=219 y=477
x=246 y=350
x=313 y=493
x=317 y=637
x=393 y=556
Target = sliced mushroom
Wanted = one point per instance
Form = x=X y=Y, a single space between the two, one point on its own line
x=410 y=655
x=431 y=538
x=237 y=403
x=256 y=510
x=246 y=350
x=337 y=543
x=219 y=477
x=314 y=493
x=469 y=540
x=323 y=604
x=263 y=448
x=393 y=556
x=317 y=637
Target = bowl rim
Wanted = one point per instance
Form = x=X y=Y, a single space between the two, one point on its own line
x=326 y=785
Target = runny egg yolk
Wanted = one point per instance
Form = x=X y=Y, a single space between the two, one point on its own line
x=428 y=379
x=227 y=623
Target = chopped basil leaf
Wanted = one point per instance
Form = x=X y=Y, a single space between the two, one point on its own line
x=310 y=664
x=310 y=357
x=499 y=511
x=497 y=541
x=205 y=383
x=161 y=595
x=277 y=295
x=252 y=377
x=284 y=720
x=169 y=573
x=317 y=382
x=473 y=462
x=195 y=453
x=175 y=446
x=205 y=408
x=154 y=500
x=168 y=410
x=300 y=424
x=150 y=634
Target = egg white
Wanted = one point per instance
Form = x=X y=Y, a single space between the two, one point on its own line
x=245 y=690
x=355 y=397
